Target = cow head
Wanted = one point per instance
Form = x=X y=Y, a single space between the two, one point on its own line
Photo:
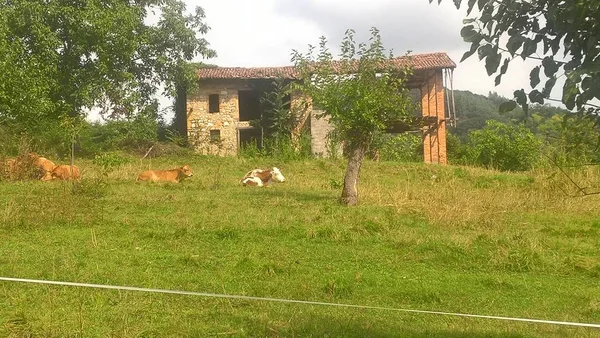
x=48 y=176
x=277 y=176
x=186 y=171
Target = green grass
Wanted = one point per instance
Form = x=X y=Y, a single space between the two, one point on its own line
x=451 y=239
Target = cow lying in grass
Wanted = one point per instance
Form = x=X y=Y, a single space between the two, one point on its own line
x=28 y=165
x=261 y=178
x=63 y=172
x=43 y=164
x=174 y=175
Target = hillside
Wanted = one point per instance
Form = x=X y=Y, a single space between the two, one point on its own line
x=473 y=110
x=438 y=238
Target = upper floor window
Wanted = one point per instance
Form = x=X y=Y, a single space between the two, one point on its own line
x=213 y=103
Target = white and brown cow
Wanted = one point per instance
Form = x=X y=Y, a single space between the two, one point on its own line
x=261 y=178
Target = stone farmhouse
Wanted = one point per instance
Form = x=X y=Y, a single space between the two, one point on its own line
x=218 y=114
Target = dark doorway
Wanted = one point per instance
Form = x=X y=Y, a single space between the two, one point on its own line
x=250 y=136
x=250 y=107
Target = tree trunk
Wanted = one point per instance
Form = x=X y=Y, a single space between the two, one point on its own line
x=350 y=191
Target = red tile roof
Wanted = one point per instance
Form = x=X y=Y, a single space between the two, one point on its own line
x=418 y=62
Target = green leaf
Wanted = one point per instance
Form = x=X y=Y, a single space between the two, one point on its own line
x=470 y=4
x=498 y=79
x=529 y=48
x=468 y=21
x=470 y=52
x=548 y=87
x=469 y=34
x=467 y=54
x=507 y=106
x=492 y=62
x=534 y=77
x=484 y=51
x=586 y=83
x=520 y=97
x=550 y=66
x=536 y=97
x=504 y=67
x=514 y=43
x=570 y=92
x=481 y=3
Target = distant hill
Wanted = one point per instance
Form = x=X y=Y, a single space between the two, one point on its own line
x=473 y=110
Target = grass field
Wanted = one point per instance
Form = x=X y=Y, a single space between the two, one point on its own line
x=437 y=238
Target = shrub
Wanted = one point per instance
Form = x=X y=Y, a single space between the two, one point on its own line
x=399 y=147
x=109 y=161
x=458 y=152
x=137 y=135
x=571 y=140
x=281 y=148
x=504 y=147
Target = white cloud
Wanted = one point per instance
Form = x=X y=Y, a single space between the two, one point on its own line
x=263 y=33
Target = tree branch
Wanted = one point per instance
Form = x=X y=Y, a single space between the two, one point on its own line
x=581 y=190
x=528 y=57
x=585 y=104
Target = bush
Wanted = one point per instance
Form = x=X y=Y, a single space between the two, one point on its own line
x=503 y=147
x=571 y=140
x=399 y=147
x=458 y=152
x=136 y=135
x=109 y=161
x=280 y=148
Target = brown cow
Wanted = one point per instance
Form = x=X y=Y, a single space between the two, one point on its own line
x=43 y=164
x=27 y=166
x=63 y=172
x=174 y=175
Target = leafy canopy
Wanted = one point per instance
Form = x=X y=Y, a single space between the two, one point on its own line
x=562 y=35
x=59 y=57
x=361 y=92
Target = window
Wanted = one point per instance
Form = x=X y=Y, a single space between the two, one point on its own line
x=249 y=103
x=213 y=103
x=215 y=136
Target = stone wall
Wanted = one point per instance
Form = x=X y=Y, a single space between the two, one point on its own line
x=319 y=128
x=200 y=122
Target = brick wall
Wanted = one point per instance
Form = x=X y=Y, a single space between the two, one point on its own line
x=432 y=104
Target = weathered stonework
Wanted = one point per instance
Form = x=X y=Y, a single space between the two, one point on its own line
x=228 y=81
x=200 y=122
x=319 y=129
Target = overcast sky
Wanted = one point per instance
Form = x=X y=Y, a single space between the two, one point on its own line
x=258 y=33
x=264 y=32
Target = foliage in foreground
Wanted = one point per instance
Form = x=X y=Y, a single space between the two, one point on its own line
x=561 y=36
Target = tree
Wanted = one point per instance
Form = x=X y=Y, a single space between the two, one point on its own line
x=360 y=93
x=277 y=120
x=562 y=35
x=68 y=55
